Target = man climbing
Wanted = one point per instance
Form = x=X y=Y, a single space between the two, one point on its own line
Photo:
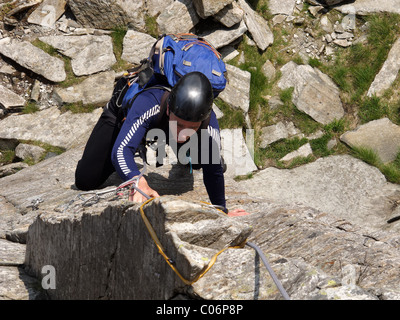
x=187 y=108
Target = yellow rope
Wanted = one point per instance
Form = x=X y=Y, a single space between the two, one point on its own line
x=168 y=260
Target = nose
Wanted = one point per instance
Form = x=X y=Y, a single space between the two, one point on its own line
x=183 y=137
x=184 y=134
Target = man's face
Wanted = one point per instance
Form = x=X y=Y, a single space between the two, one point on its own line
x=184 y=129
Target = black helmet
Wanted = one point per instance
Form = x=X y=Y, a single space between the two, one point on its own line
x=192 y=97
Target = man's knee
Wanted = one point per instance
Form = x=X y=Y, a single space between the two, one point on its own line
x=84 y=179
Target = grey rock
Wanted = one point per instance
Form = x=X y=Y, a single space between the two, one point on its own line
x=180 y=16
x=218 y=113
x=282 y=227
x=339 y=181
x=9 y=99
x=304 y=151
x=296 y=230
x=50 y=126
x=345 y=35
x=236 y=153
x=349 y=21
x=51 y=180
x=230 y=15
x=155 y=7
x=109 y=13
x=17 y=285
x=382 y=136
x=282 y=6
x=228 y=53
x=190 y=233
x=388 y=73
x=315 y=10
x=366 y=7
x=314 y=92
x=136 y=46
x=25 y=151
x=35 y=93
x=11 y=168
x=237 y=90
x=275 y=102
x=269 y=70
x=223 y=37
x=342 y=43
x=8 y=214
x=257 y=26
x=47 y=13
x=84 y=92
x=206 y=8
x=278 y=19
x=326 y=24
x=273 y=133
x=7 y=69
x=90 y=54
x=33 y=58
x=11 y=253
x=9 y=16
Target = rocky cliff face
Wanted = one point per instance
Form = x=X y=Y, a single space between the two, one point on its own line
x=329 y=228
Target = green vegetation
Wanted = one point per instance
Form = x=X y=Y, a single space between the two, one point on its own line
x=30 y=107
x=79 y=107
x=390 y=170
x=152 y=26
x=233 y=118
x=277 y=150
x=71 y=79
x=7 y=156
x=354 y=68
x=117 y=35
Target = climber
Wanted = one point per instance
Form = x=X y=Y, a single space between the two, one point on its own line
x=178 y=114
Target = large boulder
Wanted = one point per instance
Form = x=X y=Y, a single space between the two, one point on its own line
x=388 y=73
x=366 y=7
x=34 y=59
x=64 y=130
x=282 y=6
x=99 y=241
x=382 y=136
x=136 y=46
x=207 y=8
x=47 y=13
x=237 y=90
x=314 y=92
x=9 y=99
x=118 y=250
x=109 y=13
x=96 y=89
x=257 y=26
x=341 y=185
x=179 y=16
x=90 y=54
x=224 y=36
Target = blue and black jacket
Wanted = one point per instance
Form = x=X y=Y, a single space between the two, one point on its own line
x=146 y=114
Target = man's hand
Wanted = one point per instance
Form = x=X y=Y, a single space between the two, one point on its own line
x=237 y=213
x=142 y=185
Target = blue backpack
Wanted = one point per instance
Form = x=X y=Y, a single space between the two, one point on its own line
x=171 y=57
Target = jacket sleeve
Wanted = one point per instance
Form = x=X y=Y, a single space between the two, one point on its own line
x=133 y=130
x=213 y=175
